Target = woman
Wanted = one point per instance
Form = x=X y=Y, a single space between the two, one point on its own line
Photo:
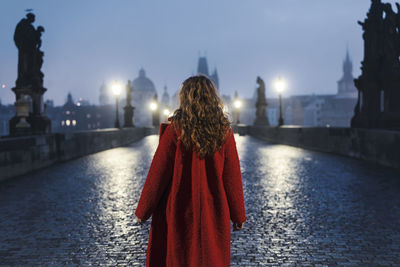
x=194 y=186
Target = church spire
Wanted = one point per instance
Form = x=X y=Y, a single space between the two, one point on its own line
x=214 y=77
x=165 y=100
x=202 y=66
x=346 y=86
x=348 y=66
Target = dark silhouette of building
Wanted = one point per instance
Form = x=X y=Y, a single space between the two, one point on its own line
x=143 y=94
x=346 y=87
x=75 y=116
x=202 y=68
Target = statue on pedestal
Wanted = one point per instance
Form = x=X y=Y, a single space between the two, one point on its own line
x=128 y=109
x=379 y=84
x=29 y=83
x=261 y=105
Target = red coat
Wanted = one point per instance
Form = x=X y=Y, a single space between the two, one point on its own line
x=192 y=201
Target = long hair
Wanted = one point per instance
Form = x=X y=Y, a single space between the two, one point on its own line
x=200 y=117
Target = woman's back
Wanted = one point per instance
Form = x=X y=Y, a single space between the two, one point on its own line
x=192 y=196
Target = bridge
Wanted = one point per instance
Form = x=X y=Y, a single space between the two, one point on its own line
x=304 y=208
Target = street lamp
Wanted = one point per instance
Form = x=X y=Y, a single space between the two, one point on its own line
x=153 y=106
x=116 y=89
x=155 y=112
x=237 y=104
x=280 y=85
x=166 y=114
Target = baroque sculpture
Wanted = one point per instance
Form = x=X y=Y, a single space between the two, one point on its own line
x=128 y=109
x=29 y=90
x=261 y=105
x=379 y=83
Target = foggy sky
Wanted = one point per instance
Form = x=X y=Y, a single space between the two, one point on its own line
x=90 y=42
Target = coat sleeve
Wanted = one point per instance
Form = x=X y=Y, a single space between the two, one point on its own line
x=159 y=175
x=232 y=180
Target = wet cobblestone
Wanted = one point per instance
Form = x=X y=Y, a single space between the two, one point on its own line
x=304 y=208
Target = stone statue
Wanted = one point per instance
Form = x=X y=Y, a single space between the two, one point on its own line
x=39 y=58
x=29 y=88
x=128 y=109
x=379 y=84
x=261 y=105
x=390 y=40
x=261 y=89
x=372 y=36
x=30 y=58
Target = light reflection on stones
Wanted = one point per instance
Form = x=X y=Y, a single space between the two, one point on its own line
x=304 y=208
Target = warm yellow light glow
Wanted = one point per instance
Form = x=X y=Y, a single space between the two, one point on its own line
x=237 y=104
x=280 y=85
x=73 y=122
x=116 y=88
x=78 y=104
x=68 y=122
x=153 y=106
x=166 y=112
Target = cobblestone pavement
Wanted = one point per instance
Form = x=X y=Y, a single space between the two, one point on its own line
x=304 y=208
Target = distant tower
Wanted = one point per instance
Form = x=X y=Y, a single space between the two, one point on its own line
x=70 y=101
x=202 y=68
x=214 y=78
x=104 y=98
x=346 y=87
x=165 y=97
x=143 y=93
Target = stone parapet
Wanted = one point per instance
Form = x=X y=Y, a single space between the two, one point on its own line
x=20 y=155
x=373 y=145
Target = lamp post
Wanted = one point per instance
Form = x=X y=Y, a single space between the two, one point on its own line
x=154 y=112
x=280 y=85
x=167 y=113
x=237 y=104
x=116 y=88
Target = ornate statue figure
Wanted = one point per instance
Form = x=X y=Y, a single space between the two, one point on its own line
x=379 y=83
x=29 y=88
x=30 y=58
x=261 y=104
x=128 y=109
x=39 y=58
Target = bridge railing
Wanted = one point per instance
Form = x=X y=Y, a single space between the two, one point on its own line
x=20 y=155
x=373 y=145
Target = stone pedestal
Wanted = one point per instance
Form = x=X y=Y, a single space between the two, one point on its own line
x=128 y=116
x=29 y=118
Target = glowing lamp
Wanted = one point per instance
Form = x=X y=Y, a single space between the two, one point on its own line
x=280 y=85
x=153 y=106
x=116 y=88
x=237 y=104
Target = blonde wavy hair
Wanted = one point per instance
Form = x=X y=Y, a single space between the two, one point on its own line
x=200 y=118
